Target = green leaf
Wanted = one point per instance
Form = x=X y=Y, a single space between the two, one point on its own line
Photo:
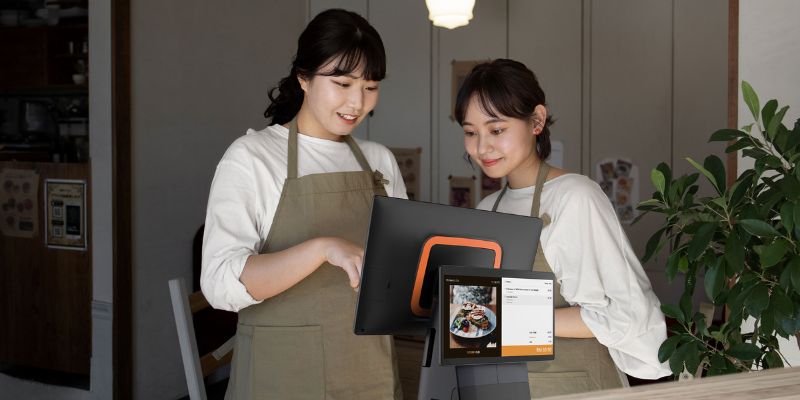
x=739 y=144
x=668 y=347
x=793 y=138
x=653 y=244
x=701 y=240
x=790 y=186
x=676 y=362
x=714 y=279
x=717 y=365
x=683 y=264
x=664 y=168
x=719 y=336
x=772 y=128
x=787 y=216
x=781 y=140
x=715 y=166
x=705 y=172
x=785 y=280
x=672 y=266
x=767 y=321
x=757 y=301
x=658 y=180
x=796 y=216
x=751 y=99
x=685 y=303
x=744 y=351
x=692 y=357
x=720 y=202
x=701 y=325
x=740 y=187
x=768 y=111
x=794 y=267
x=673 y=311
x=774 y=252
x=724 y=135
x=734 y=254
x=781 y=303
x=758 y=228
x=773 y=360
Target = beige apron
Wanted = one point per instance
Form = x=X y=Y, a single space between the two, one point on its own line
x=300 y=344
x=580 y=365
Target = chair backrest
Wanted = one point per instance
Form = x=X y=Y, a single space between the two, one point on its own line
x=188 y=343
x=195 y=367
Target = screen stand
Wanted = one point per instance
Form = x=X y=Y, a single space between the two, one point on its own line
x=467 y=382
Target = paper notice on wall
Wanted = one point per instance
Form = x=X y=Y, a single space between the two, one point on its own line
x=65 y=214
x=489 y=185
x=19 y=205
x=461 y=191
x=459 y=74
x=408 y=161
x=619 y=179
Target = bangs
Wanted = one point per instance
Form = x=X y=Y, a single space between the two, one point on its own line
x=359 y=56
x=495 y=95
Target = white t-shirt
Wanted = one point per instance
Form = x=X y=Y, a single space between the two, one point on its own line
x=593 y=261
x=245 y=193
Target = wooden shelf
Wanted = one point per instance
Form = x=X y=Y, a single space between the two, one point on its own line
x=42 y=56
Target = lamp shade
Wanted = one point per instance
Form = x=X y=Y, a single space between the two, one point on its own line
x=450 y=13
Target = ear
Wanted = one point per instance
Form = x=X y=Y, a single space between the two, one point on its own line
x=303 y=83
x=539 y=119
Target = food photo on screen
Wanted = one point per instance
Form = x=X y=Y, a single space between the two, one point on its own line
x=473 y=322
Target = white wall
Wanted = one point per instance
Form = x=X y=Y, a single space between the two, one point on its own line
x=769 y=59
x=200 y=75
x=625 y=78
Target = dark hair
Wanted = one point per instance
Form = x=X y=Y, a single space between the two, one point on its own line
x=334 y=34
x=505 y=87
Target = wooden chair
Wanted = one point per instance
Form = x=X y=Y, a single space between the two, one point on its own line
x=195 y=367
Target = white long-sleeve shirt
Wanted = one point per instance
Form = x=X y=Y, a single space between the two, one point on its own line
x=245 y=193
x=593 y=261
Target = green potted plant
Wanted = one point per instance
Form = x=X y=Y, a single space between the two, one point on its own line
x=744 y=240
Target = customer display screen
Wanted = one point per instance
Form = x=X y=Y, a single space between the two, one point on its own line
x=491 y=316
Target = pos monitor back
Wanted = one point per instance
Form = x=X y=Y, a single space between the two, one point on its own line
x=407 y=242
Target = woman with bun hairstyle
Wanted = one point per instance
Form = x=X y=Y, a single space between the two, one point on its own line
x=607 y=317
x=286 y=223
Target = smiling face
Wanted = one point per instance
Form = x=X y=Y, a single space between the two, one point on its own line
x=334 y=105
x=502 y=146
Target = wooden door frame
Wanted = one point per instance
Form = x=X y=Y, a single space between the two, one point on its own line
x=733 y=82
x=122 y=326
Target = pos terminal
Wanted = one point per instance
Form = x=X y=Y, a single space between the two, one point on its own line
x=463 y=278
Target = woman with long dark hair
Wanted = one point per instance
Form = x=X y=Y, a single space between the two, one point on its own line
x=607 y=317
x=286 y=224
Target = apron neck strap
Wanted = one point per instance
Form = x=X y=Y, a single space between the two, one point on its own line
x=544 y=168
x=500 y=197
x=362 y=160
x=541 y=177
x=292 y=154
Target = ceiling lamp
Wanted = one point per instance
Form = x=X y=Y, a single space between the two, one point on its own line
x=450 y=13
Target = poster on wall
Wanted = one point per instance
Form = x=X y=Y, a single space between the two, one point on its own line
x=619 y=179
x=408 y=161
x=65 y=214
x=18 y=198
x=489 y=185
x=460 y=71
x=461 y=191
